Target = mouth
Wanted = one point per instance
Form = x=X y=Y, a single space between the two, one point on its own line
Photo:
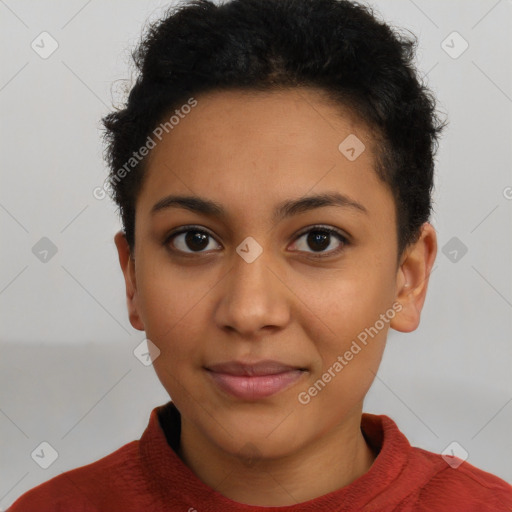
x=254 y=381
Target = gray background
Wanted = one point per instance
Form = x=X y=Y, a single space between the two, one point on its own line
x=68 y=375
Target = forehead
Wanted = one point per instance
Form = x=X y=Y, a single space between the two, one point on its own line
x=251 y=150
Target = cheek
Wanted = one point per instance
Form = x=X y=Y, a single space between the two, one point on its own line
x=349 y=352
x=352 y=315
x=171 y=305
x=173 y=318
x=346 y=302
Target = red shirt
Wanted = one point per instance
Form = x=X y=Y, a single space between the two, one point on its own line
x=148 y=476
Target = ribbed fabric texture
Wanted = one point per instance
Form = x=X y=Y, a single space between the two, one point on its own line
x=148 y=476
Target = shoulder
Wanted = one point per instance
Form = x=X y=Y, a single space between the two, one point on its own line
x=86 y=488
x=423 y=481
x=457 y=485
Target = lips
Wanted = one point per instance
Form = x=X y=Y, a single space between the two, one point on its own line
x=254 y=381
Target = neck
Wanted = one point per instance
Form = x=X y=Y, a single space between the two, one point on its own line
x=296 y=478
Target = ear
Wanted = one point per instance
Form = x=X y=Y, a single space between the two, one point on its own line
x=127 y=263
x=412 y=279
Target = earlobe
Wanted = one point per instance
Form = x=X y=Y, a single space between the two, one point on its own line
x=412 y=279
x=127 y=264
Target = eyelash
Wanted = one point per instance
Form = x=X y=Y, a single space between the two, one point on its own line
x=323 y=229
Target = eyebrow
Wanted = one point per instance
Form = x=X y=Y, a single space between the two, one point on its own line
x=282 y=211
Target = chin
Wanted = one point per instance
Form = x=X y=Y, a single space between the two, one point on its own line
x=251 y=434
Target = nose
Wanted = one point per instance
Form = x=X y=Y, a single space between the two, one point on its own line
x=253 y=298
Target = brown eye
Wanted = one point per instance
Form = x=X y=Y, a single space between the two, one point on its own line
x=190 y=240
x=319 y=239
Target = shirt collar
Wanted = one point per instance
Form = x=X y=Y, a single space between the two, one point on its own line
x=172 y=481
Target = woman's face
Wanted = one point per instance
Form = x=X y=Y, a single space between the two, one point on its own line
x=258 y=281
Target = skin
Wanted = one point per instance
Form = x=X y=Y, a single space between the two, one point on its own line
x=250 y=152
